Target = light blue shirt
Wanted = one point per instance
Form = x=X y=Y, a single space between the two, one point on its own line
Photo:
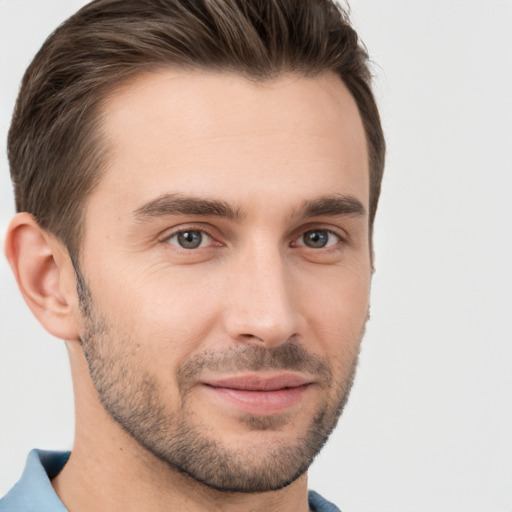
x=34 y=491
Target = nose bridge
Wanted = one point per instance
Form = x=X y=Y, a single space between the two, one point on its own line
x=262 y=304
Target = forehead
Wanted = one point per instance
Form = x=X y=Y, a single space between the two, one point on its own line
x=220 y=134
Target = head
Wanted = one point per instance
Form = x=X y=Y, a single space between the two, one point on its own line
x=212 y=170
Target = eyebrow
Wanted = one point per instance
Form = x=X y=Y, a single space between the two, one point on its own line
x=176 y=204
x=335 y=205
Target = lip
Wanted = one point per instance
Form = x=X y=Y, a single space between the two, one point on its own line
x=258 y=394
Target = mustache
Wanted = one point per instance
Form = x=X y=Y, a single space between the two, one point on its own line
x=254 y=358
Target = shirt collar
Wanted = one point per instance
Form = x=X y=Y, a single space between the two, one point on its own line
x=34 y=491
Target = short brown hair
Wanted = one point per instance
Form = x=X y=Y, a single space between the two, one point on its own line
x=55 y=145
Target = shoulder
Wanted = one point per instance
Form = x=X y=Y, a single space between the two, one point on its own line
x=34 y=490
x=319 y=504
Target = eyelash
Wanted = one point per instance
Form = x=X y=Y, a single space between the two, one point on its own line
x=191 y=229
x=330 y=232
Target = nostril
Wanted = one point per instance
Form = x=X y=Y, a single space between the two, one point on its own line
x=251 y=336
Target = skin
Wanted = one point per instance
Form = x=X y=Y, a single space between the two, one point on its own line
x=253 y=285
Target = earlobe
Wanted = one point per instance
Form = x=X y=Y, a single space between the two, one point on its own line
x=45 y=276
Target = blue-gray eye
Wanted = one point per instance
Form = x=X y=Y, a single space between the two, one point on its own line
x=189 y=239
x=319 y=238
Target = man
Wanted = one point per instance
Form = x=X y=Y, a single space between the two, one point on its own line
x=196 y=185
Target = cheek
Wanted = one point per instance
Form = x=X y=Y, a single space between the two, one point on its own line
x=169 y=314
x=338 y=309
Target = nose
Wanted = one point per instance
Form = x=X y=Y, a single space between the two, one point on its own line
x=262 y=304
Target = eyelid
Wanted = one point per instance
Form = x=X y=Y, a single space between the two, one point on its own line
x=329 y=246
x=169 y=233
x=339 y=232
x=205 y=240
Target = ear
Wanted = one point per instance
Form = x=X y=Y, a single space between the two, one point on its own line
x=45 y=276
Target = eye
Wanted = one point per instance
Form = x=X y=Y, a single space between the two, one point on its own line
x=318 y=238
x=190 y=239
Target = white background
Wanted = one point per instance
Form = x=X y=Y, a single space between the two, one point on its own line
x=429 y=424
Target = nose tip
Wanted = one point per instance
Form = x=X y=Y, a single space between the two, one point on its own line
x=271 y=334
x=264 y=329
x=262 y=307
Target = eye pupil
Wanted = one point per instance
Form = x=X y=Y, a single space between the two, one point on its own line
x=190 y=239
x=316 y=239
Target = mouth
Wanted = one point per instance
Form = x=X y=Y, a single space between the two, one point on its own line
x=257 y=394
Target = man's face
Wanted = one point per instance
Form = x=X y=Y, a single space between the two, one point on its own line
x=227 y=266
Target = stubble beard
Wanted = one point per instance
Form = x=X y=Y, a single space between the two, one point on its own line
x=132 y=396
